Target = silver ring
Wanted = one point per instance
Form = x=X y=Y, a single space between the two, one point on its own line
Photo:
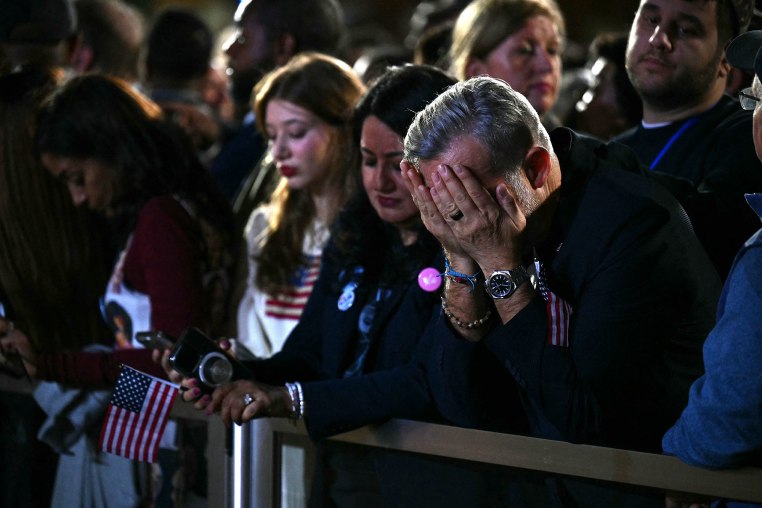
x=457 y=215
x=247 y=399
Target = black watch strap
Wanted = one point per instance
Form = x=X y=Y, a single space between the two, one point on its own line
x=503 y=283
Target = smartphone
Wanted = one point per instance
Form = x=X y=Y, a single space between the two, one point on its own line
x=155 y=340
x=196 y=355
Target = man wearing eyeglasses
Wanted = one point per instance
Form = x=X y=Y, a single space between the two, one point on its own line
x=690 y=128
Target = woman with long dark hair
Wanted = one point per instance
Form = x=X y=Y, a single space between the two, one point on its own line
x=170 y=227
x=50 y=278
x=376 y=294
x=171 y=232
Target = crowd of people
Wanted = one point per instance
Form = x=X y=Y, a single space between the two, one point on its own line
x=455 y=230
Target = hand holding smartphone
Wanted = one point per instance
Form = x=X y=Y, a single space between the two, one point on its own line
x=196 y=356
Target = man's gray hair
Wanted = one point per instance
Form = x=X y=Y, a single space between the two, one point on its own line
x=488 y=110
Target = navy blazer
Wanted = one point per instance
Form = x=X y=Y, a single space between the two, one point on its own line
x=642 y=292
x=322 y=346
x=394 y=385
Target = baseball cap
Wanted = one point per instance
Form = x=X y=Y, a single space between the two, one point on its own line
x=743 y=52
x=36 y=21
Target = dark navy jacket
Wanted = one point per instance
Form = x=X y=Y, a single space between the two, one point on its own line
x=715 y=153
x=622 y=254
x=322 y=347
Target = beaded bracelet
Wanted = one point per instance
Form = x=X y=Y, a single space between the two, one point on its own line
x=461 y=278
x=469 y=325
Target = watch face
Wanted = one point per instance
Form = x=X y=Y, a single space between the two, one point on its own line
x=501 y=285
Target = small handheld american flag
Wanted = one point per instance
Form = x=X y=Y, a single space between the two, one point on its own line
x=137 y=415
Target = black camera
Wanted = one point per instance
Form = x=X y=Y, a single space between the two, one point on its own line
x=196 y=355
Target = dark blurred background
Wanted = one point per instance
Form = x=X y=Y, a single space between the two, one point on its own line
x=584 y=18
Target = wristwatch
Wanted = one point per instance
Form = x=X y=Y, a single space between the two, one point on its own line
x=503 y=283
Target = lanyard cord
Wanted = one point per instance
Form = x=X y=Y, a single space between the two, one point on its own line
x=687 y=125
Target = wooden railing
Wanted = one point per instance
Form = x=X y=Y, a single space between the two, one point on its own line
x=583 y=461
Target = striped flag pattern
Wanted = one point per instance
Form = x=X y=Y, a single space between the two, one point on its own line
x=137 y=415
x=290 y=304
x=558 y=310
x=559 y=313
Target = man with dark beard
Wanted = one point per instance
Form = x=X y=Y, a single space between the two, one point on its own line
x=269 y=33
x=690 y=128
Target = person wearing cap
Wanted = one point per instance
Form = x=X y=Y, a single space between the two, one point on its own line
x=37 y=32
x=690 y=128
x=722 y=425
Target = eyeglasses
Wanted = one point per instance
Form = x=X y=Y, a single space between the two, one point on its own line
x=748 y=100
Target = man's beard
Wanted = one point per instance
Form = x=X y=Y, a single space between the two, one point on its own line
x=242 y=84
x=684 y=89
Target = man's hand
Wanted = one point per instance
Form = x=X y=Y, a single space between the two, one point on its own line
x=467 y=307
x=433 y=219
x=469 y=222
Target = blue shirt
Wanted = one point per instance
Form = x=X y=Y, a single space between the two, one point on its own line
x=722 y=425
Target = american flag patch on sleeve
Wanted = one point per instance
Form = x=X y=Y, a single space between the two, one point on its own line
x=558 y=310
x=559 y=313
